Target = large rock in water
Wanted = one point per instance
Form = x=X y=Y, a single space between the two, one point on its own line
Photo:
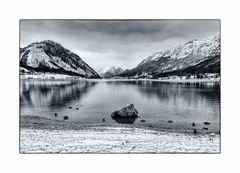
x=127 y=111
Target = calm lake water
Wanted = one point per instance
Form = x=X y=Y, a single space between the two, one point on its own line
x=92 y=100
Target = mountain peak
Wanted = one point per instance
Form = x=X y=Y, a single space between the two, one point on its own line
x=109 y=71
x=50 y=42
x=207 y=47
x=50 y=56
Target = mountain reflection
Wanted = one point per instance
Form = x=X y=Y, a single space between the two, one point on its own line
x=165 y=91
x=53 y=93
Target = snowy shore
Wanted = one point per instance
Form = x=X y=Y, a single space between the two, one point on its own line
x=47 y=137
x=49 y=76
x=115 y=140
x=162 y=80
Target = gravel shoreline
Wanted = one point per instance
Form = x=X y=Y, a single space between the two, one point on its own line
x=36 y=122
x=42 y=135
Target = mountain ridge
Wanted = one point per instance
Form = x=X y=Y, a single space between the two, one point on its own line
x=49 y=56
x=191 y=57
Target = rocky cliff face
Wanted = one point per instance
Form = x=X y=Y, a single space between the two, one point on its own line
x=195 y=56
x=51 y=57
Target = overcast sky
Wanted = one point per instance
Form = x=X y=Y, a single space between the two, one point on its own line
x=116 y=43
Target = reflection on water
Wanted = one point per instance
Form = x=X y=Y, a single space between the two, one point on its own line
x=92 y=100
x=128 y=120
x=52 y=93
x=165 y=92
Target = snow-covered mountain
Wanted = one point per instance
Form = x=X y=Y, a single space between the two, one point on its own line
x=51 y=57
x=195 y=56
x=108 y=72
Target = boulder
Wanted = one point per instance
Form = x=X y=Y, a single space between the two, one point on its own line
x=127 y=111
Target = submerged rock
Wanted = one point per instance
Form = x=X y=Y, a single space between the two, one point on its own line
x=127 y=111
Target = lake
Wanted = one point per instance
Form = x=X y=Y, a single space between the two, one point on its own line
x=88 y=101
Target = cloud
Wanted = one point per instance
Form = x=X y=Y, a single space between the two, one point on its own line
x=122 y=43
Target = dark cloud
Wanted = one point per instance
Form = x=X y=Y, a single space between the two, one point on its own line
x=122 y=43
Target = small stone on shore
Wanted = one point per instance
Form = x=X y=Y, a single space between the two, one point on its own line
x=65 y=117
x=206 y=123
x=150 y=125
x=77 y=108
x=103 y=119
x=205 y=128
x=70 y=107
